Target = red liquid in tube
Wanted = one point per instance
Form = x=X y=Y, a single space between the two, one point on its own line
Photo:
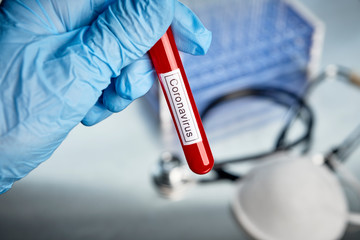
x=175 y=86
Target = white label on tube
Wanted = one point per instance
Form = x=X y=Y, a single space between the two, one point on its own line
x=181 y=107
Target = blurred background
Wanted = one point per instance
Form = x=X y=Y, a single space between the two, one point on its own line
x=98 y=184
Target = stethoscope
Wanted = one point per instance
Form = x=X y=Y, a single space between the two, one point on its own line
x=171 y=176
x=264 y=199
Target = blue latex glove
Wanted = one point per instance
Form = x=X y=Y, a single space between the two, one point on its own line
x=58 y=58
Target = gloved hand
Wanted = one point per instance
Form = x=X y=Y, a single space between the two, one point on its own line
x=63 y=62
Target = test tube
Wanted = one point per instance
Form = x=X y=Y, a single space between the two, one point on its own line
x=175 y=86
